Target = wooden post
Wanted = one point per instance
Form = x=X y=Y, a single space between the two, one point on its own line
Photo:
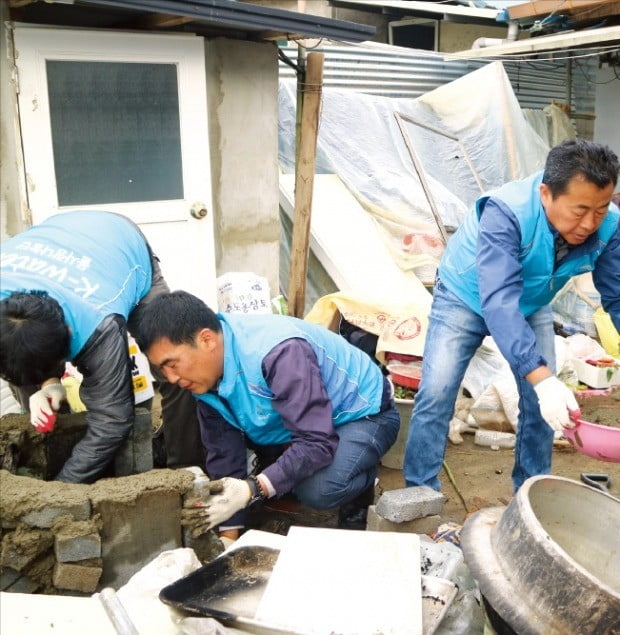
x=304 y=181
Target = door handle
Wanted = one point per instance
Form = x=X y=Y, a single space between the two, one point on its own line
x=198 y=210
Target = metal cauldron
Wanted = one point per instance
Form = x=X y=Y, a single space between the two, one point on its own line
x=549 y=563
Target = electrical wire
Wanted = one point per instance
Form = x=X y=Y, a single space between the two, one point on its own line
x=590 y=81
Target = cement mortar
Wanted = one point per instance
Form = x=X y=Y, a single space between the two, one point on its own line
x=126 y=489
x=66 y=526
x=604 y=410
x=21 y=494
x=27 y=542
x=34 y=456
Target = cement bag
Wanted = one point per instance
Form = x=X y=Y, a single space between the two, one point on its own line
x=243 y=292
x=401 y=328
x=607 y=332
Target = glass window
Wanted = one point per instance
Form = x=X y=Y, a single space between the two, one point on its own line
x=115 y=132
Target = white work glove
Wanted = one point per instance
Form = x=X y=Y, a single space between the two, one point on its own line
x=228 y=495
x=44 y=404
x=556 y=399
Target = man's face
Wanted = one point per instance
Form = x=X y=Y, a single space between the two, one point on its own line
x=197 y=367
x=578 y=212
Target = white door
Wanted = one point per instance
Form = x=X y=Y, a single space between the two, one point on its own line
x=118 y=121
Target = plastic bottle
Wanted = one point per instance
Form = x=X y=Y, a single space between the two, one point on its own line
x=494 y=439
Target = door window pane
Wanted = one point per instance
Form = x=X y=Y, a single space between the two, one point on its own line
x=115 y=132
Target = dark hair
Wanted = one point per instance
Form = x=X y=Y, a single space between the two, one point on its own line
x=177 y=316
x=34 y=339
x=595 y=162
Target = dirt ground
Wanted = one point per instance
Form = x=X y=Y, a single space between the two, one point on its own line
x=482 y=475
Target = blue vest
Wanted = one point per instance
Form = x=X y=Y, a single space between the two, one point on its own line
x=458 y=271
x=93 y=263
x=353 y=382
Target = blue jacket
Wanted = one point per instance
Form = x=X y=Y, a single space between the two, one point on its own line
x=501 y=264
x=94 y=264
x=98 y=266
x=541 y=279
x=353 y=382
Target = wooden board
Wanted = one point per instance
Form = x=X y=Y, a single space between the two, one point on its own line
x=347 y=582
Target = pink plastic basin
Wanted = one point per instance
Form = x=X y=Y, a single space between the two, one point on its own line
x=595 y=440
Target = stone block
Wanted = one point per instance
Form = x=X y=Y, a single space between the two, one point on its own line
x=409 y=503
x=136 y=453
x=12 y=581
x=75 y=577
x=427 y=525
x=68 y=548
x=46 y=516
x=133 y=533
x=7 y=577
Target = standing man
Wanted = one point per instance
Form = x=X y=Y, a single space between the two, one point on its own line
x=269 y=380
x=515 y=250
x=70 y=289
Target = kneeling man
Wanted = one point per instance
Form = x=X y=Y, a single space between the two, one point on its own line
x=266 y=380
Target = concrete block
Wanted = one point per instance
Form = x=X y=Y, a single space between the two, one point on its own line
x=427 y=525
x=409 y=503
x=45 y=517
x=68 y=548
x=134 y=533
x=12 y=581
x=136 y=453
x=75 y=577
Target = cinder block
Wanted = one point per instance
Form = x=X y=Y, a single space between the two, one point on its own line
x=75 y=577
x=409 y=503
x=45 y=517
x=427 y=525
x=68 y=548
x=134 y=533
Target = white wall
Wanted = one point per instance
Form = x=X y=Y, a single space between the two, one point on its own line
x=606 y=127
x=242 y=93
x=13 y=206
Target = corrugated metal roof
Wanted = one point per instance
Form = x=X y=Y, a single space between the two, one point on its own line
x=391 y=71
x=230 y=14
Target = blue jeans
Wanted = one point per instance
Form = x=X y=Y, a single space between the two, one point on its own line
x=454 y=334
x=354 y=468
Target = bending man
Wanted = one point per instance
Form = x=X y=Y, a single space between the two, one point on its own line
x=70 y=288
x=515 y=250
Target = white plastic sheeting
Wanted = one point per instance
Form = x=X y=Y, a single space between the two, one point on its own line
x=359 y=140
